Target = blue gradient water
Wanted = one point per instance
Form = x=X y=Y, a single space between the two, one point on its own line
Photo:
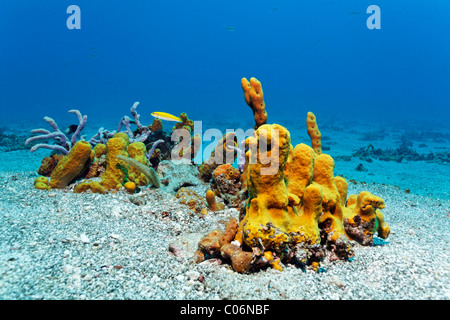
x=178 y=56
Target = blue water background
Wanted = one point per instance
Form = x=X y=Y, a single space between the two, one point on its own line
x=179 y=56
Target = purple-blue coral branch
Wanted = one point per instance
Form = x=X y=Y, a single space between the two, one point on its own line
x=152 y=150
x=54 y=135
x=126 y=122
x=137 y=116
x=55 y=147
x=65 y=145
x=82 y=123
x=58 y=135
x=144 y=131
x=102 y=135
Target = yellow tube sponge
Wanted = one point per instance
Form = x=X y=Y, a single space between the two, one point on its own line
x=313 y=132
x=296 y=207
x=69 y=167
x=286 y=207
x=122 y=135
x=305 y=217
x=113 y=175
x=366 y=204
x=254 y=97
x=332 y=217
x=299 y=169
x=99 y=150
x=342 y=186
x=266 y=167
x=267 y=221
x=138 y=152
x=383 y=228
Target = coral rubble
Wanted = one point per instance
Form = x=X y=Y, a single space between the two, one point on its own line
x=174 y=175
x=403 y=152
x=10 y=141
x=191 y=198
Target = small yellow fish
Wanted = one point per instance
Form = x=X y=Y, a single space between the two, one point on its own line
x=166 y=116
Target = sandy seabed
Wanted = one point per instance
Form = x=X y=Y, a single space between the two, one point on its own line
x=59 y=245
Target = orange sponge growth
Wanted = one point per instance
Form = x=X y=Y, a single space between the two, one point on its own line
x=99 y=150
x=48 y=164
x=218 y=243
x=156 y=125
x=332 y=207
x=254 y=97
x=224 y=152
x=211 y=200
x=186 y=123
x=314 y=133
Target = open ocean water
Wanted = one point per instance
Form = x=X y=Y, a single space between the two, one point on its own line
x=381 y=70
